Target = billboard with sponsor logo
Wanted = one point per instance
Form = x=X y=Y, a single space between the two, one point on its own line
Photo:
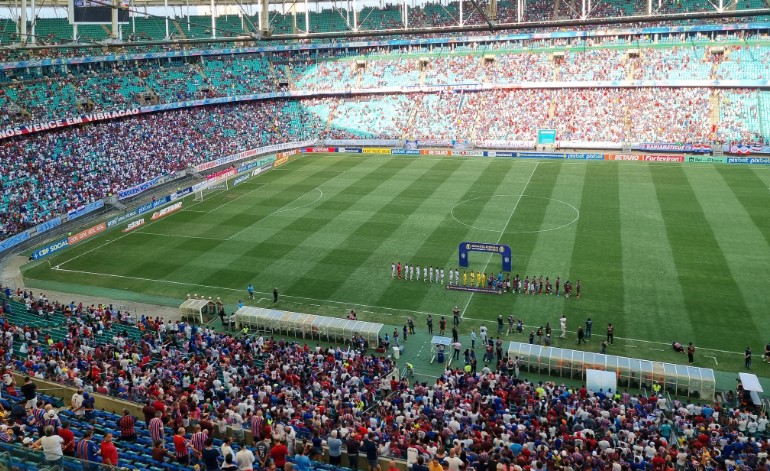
x=87 y=234
x=375 y=150
x=405 y=151
x=350 y=150
x=222 y=174
x=134 y=225
x=622 y=157
x=435 y=152
x=166 y=211
x=318 y=150
x=50 y=248
x=84 y=209
x=662 y=158
x=700 y=159
x=749 y=160
x=281 y=161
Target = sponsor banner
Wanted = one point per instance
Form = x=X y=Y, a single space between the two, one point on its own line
x=218 y=186
x=749 y=160
x=499 y=144
x=46 y=226
x=594 y=156
x=662 y=158
x=134 y=225
x=14 y=241
x=349 y=150
x=320 y=150
x=660 y=147
x=281 y=161
x=84 y=209
x=497 y=153
x=288 y=153
x=226 y=160
x=375 y=150
x=263 y=168
x=474 y=153
x=121 y=218
x=584 y=156
x=64 y=122
x=228 y=172
x=622 y=157
x=133 y=191
x=180 y=193
x=87 y=234
x=434 y=143
x=435 y=152
x=166 y=211
x=405 y=151
x=540 y=155
x=50 y=248
x=241 y=179
x=705 y=160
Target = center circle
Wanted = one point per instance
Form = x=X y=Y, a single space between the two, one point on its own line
x=496 y=213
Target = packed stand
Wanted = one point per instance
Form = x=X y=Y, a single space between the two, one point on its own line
x=301 y=402
x=36 y=184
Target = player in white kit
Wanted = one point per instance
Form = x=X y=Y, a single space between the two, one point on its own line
x=393 y=270
x=411 y=272
x=431 y=273
x=418 y=272
x=451 y=277
x=442 y=276
x=424 y=274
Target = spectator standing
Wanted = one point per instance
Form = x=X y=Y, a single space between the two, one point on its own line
x=52 y=447
x=210 y=456
x=181 y=448
x=29 y=392
x=352 y=446
x=335 y=449
x=278 y=454
x=68 y=447
x=87 y=451
x=156 y=427
x=370 y=448
x=109 y=451
x=227 y=449
x=126 y=425
x=76 y=404
x=301 y=462
x=244 y=459
x=690 y=353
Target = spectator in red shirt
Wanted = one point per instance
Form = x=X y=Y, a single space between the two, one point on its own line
x=68 y=447
x=109 y=452
x=278 y=453
x=181 y=448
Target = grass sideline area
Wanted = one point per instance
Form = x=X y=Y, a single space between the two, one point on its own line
x=666 y=252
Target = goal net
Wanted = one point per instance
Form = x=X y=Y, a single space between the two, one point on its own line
x=213 y=186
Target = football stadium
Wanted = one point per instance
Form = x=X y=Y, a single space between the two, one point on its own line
x=475 y=235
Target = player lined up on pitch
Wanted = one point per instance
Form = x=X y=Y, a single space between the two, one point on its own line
x=533 y=286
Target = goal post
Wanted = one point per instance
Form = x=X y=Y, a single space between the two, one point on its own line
x=219 y=184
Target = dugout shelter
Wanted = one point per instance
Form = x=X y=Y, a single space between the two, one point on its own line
x=297 y=324
x=196 y=309
x=634 y=373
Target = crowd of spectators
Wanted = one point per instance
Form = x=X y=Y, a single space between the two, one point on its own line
x=50 y=173
x=296 y=400
x=56 y=92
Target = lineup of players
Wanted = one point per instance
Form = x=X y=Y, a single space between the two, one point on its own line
x=528 y=286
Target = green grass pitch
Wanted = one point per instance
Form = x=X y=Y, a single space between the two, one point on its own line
x=664 y=251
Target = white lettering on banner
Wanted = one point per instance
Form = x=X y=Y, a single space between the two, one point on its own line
x=166 y=211
x=134 y=225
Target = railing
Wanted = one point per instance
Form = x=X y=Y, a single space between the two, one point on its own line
x=22 y=458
